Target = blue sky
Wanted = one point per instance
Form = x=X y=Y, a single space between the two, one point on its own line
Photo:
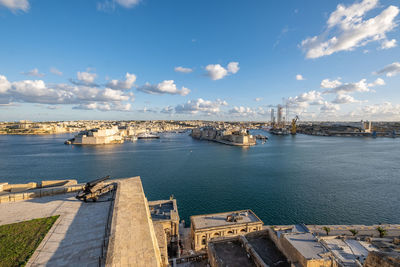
x=327 y=60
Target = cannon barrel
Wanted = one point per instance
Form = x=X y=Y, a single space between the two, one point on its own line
x=94 y=182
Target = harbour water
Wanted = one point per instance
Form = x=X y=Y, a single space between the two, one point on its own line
x=290 y=179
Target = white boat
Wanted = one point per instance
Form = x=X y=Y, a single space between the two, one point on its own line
x=148 y=136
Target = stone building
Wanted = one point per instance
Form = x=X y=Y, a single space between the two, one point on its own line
x=226 y=224
x=165 y=217
x=304 y=249
x=98 y=136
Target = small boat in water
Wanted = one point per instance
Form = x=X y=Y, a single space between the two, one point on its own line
x=148 y=136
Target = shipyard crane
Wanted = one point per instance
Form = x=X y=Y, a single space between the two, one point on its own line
x=293 y=130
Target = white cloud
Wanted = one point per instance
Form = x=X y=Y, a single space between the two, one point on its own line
x=299 y=104
x=326 y=83
x=258 y=99
x=104 y=106
x=302 y=101
x=167 y=110
x=344 y=99
x=328 y=107
x=56 y=71
x=128 y=3
x=123 y=85
x=109 y=5
x=217 y=72
x=5 y=85
x=15 y=5
x=299 y=77
x=382 y=111
x=86 y=77
x=242 y=111
x=35 y=72
x=378 y=81
x=37 y=91
x=233 y=67
x=345 y=88
x=183 y=70
x=113 y=95
x=390 y=70
x=389 y=44
x=165 y=87
x=347 y=29
x=201 y=105
x=147 y=110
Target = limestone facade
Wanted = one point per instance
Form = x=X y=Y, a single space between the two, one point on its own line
x=201 y=232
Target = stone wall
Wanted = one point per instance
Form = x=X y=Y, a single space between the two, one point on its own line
x=217 y=232
x=36 y=193
x=132 y=239
x=295 y=256
x=380 y=259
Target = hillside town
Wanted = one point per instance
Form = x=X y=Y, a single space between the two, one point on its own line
x=228 y=132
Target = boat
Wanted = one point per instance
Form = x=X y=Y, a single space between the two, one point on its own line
x=279 y=131
x=148 y=136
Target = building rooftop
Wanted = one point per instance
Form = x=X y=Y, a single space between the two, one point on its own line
x=306 y=244
x=253 y=249
x=220 y=219
x=267 y=249
x=162 y=209
x=349 y=251
x=231 y=253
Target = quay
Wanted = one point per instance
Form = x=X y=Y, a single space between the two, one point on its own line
x=122 y=227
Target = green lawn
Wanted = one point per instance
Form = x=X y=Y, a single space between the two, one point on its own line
x=18 y=241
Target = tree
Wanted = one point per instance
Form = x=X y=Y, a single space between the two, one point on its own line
x=326 y=229
x=382 y=232
x=354 y=232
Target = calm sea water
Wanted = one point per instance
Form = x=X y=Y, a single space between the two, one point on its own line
x=316 y=180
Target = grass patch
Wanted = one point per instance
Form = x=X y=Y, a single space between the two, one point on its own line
x=18 y=241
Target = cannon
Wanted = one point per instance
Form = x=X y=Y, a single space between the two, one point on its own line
x=94 y=189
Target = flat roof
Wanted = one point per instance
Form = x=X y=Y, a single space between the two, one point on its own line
x=219 y=219
x=267 y=250
x=231 y=253
x=161 y=209
x=306 y=244
x=347 y=251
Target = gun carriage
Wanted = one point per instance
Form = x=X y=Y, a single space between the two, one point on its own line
x=94 y=189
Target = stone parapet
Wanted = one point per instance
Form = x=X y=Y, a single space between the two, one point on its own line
x=132 y=240
x=39 y=192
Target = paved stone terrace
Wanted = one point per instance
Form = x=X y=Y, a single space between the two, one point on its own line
x=76 y=238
